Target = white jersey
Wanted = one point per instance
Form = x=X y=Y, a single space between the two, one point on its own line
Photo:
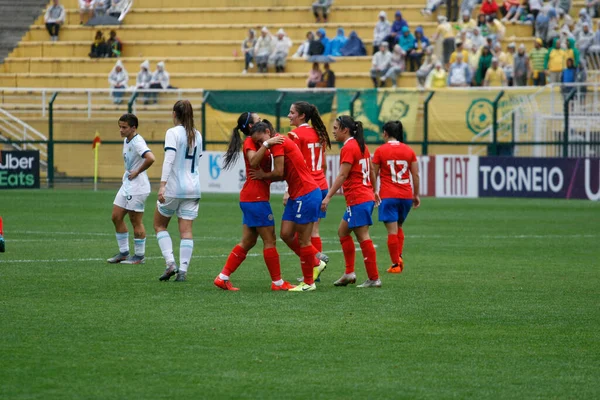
x=133 y=155
x=184 y=179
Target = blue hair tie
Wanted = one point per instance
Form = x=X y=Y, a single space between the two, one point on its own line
x=247 y=119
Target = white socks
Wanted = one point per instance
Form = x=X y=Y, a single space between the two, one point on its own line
x=186 y=247
x=123 y=241
x=140 y=246
x=166 y=246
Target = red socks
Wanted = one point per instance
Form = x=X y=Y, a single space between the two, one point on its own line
x=370 y=257
x=1 y=232
x=317 y=244
x=307 y=256
x=271 y=257
x=236 y=257
x=400 y=240
x=349 y=253
x=393 y=248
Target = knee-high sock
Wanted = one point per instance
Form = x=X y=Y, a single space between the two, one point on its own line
x=123 y=241
x=186 y=248
x=393 y=248
x=349 y=253
x=271 y=257
x=317 y=243
x=140 y=246
x=370 y=257
x=166 y=246
x=307 y=256
x=235 y=259
x=400 y=240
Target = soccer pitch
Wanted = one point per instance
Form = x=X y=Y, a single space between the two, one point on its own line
x=499 y=299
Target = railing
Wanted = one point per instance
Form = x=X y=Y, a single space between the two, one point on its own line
x=13 y=129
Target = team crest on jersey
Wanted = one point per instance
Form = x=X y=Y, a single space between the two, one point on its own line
x=270 y=217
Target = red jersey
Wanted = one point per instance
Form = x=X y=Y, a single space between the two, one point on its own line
x=357 y=187
x=313 y=152
x=394 y=159
x=255 y=190
x=295 y=171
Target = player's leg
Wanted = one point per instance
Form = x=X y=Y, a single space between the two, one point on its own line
x=162 y=216
x=388 y=214
x=349 y=251
x=369 y=255
x=2 y=246
x=118 y=216
x=187 y=212
x=236 y=258
x=271 y=256
x=404 y=208
x=139 y=238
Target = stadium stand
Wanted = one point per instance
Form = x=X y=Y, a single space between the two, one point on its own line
x=15 y=19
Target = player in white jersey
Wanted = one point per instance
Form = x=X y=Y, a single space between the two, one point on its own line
x=179 y=191
x=133 y=193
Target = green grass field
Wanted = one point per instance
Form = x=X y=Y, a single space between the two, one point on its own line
x=499 y=299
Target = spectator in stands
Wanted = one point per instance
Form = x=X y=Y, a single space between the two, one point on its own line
x=482 y=25
x=86 y=7
x=460 y=73
x=316 y=47
x=429 y=60
x=99 y=48
x=568 y=76
x=485 y=61
x=281 y=48
x=467 y=23
x=464 y=39
x=437 y=78
x=592 y=7
x=507 y=61
x=555 y=62
x=537 y=60
x=522 y=14
x=304 y=47
x=584 y=18
x=431 y=6
x=263 y=49
x=314 y=76
x=248 y=50
x=473 y=62
x=397 y=65
x=444 y=38
x=489 y=8
x=381 y=63
x=581 y=77
x=381 y=31
x=585 y=38
x=459 y=50
x=477 y=39
x=494 y=76
x=395 y=31
x=54 y=18
x=572 y=52
x=535 y=6
x=421 y=43
x=328 y=79
x=496 y=28
x=119 y=8
x=509 y=8
x=521 y=69
x=563 y=5
x=160 y=80
x=114 y=44
x=336 y=44
x=497 y=52
x=117 y=79
x=144 y=78
x=406 y=41
x=322 y=37
x=322 y=6
x=354 y=46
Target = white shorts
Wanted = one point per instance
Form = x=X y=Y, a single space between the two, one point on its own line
x=131 y=203
x=185 y=208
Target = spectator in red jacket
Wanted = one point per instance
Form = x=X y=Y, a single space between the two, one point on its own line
x=489 y=7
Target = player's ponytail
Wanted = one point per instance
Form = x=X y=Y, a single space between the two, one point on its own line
x=235 y=142
x=395 y=130
x=355 y=128
x=185 y=115
x=312 y=115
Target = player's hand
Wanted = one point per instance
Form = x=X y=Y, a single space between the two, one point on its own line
x=377 y=200
x=132 y=175
x=161 y=194
x=286 y=196
x=293 y=135
x=416 y=202
x=324 y=204
x=275 y=140
x=257 y=174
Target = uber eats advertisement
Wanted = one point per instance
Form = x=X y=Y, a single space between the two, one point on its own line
x=19 y=169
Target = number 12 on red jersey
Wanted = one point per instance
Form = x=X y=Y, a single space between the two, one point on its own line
x=397 y=176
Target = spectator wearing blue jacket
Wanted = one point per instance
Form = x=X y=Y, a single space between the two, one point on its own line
x=322 y=37
x=406 y=40
x=397 y=26
x=421 y=43
x=354 y=47
x=336 y=44
x=569 y=75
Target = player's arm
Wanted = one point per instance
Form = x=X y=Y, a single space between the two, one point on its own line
x=170 y=153
x=275 y=175
x=414 y=171
x=337 y=184
x=374 y=182
x=256 y=159
x=148 y=161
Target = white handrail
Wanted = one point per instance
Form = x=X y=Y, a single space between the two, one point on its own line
x=24 y=125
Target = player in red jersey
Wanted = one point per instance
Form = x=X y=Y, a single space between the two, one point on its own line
x=393 y=161
x=256 y=210
x=312 y=141
x=358 y=181
x=303 y=206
